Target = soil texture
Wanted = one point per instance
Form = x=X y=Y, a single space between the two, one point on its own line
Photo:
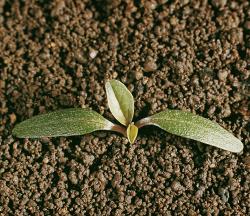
x=182 y=54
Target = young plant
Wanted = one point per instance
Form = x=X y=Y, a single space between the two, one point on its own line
x=78 y=121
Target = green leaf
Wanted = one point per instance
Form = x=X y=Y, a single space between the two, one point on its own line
x=67 y=122
x=194 y=127
x=132 y=132
x=120 y=101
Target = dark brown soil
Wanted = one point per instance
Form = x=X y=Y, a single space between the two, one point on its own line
x=188 y=55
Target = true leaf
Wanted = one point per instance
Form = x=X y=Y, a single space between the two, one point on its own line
x=194 y=127
x=120 y=101
x=67 y=122
x=132 y=132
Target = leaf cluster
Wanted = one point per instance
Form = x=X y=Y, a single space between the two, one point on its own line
x=77 y=121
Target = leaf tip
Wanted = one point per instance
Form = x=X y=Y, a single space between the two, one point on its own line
x=237 y=148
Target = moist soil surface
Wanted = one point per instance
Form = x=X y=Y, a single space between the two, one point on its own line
x=186 y=55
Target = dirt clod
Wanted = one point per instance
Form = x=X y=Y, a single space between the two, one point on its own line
x=150 y=65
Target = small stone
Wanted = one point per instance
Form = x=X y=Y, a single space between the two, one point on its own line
x=247 y=25
x=96 y=185
x=247 y=162
x=12 y=118
x=88 y=14
x=191 y=212
x=154 y=106
x=236 y=36
x=98 y=98
x=138 y=75
x=45 y=160
x=176 y=186
x=222 y=75
x=88 y=158
x=199 y=192
x=219 y=3
x=73 y=177
x=116 y=180
x=15 y=179
x=173 y=21
x=114 y=75
x=60 y=5
x=79 y=56
x=226 y=111
x=93 y=53
x=128 y=199
x=150 y=65
x=211 y=110
x=150 y=5
x=224 y=193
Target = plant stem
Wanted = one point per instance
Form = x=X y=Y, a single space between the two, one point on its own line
x=143 y=122
x=120 y=129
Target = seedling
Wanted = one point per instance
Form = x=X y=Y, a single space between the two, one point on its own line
x=78 y=121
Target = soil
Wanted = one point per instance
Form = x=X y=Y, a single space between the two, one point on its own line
x=187 y=55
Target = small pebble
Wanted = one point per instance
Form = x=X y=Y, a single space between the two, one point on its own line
x=219 y=4
x=150 y=65
x=73 y=177
x=211 y=110
x=224 y=193
x=176 y=185
x=222 y=75
x=247 y=25
x=12 y=118
x=93 y=53
x=247 y=162
x=116 y=180
x=138 y=75
x=226 y=110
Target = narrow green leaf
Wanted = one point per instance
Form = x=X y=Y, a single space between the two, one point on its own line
x=120 y=101
x=67 y=122
x=132 y=132
x=194 y=127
